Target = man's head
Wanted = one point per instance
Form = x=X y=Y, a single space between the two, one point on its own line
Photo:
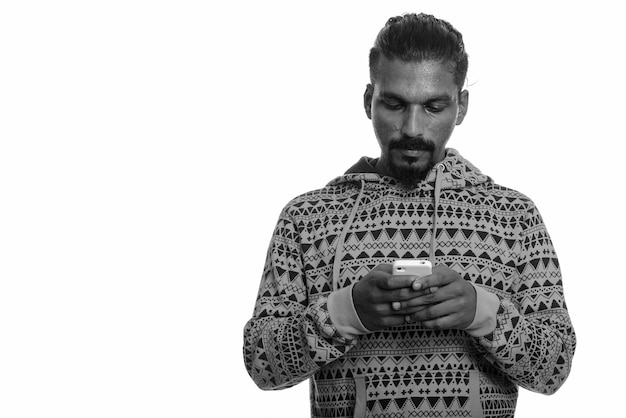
x=417 y=38
x=417 y=68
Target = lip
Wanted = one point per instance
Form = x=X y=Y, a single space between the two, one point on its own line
x=412 y=153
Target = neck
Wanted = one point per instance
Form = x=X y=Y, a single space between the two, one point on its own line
x=382 y=168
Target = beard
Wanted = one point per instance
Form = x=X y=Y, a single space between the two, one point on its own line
x=411 y=175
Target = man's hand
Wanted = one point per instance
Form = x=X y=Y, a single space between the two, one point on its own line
x=449 y=301
x=442 y=300
x=378 y=297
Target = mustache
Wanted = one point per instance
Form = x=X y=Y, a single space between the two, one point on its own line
x=413 y=143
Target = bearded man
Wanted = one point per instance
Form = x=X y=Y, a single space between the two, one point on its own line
x=458 y=342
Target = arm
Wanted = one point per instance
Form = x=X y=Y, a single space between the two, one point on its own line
x=533 y=341
x=290 y=335
x=526 y=332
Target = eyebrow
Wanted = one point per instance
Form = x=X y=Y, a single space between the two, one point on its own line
x=438 y=98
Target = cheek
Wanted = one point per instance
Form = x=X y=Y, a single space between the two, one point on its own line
x=442 y=130
x=385 y=126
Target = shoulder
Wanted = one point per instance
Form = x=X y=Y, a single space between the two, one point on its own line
x=510 y=202
x=315 y=202
x=505 y=193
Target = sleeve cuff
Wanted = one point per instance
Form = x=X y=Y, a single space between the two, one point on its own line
x=487 y=305
x=343 y=313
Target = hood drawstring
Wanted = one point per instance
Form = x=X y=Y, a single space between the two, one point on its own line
x=342 y=237
x=433 y=240
x=346 y=227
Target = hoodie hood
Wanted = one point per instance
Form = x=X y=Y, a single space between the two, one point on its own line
x=453 y=173
x=458 y=173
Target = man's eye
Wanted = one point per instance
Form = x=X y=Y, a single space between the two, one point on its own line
x=434 y=109
x=393 y=105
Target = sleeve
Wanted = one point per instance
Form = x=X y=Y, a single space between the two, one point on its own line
x=533 y=341
x=487 y=305
x=290 y=336
x=343 y=313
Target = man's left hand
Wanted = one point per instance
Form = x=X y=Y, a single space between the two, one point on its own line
x=446 y=300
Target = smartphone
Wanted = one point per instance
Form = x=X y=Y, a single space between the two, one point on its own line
x=412 y=267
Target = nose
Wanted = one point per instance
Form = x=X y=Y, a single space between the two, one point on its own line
x=413 y=125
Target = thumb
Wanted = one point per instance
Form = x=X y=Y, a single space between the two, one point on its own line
x=384 y=267
x=400 y=281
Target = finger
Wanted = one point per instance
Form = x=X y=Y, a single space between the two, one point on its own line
x=426 y=297
x=452 y=321
x=434 y=311
x=397 y=298
x=424 y=290
x=416 y=304
x=440 y=277
x=397 y=282
x=407 y=294
x=427 y=282
x=409 y=311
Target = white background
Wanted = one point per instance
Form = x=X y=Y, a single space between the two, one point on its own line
x=147 y=147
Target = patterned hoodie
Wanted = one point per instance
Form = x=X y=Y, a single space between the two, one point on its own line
x=305 y=326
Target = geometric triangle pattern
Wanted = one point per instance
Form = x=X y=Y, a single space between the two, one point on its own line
x=491 y=235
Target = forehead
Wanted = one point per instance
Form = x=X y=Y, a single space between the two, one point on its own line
x=415 y=79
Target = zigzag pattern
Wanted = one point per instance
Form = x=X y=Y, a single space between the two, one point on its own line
x=491 y=235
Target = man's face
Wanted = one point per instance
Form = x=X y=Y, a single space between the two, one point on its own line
x=414 y=107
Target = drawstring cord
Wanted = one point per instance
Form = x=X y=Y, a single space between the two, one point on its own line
x=342 y=237
x=433 y=242
x=344 y=231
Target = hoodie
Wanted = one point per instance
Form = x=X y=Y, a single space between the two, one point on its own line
x=305 y=326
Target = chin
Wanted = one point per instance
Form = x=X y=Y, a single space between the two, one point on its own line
x=410 y=175
x=415 y=165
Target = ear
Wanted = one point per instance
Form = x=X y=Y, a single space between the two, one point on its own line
x=463 y=103
x=367 y=100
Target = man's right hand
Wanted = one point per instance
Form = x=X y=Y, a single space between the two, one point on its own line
x=376 y=293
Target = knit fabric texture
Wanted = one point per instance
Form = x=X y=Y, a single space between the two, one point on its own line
x=491 y=235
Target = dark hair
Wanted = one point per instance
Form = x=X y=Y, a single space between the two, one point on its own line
x=413 y=37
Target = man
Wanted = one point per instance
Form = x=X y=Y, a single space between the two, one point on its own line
x=459 y=342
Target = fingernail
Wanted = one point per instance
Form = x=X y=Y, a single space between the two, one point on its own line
x=396 y=306
x=417 y=285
